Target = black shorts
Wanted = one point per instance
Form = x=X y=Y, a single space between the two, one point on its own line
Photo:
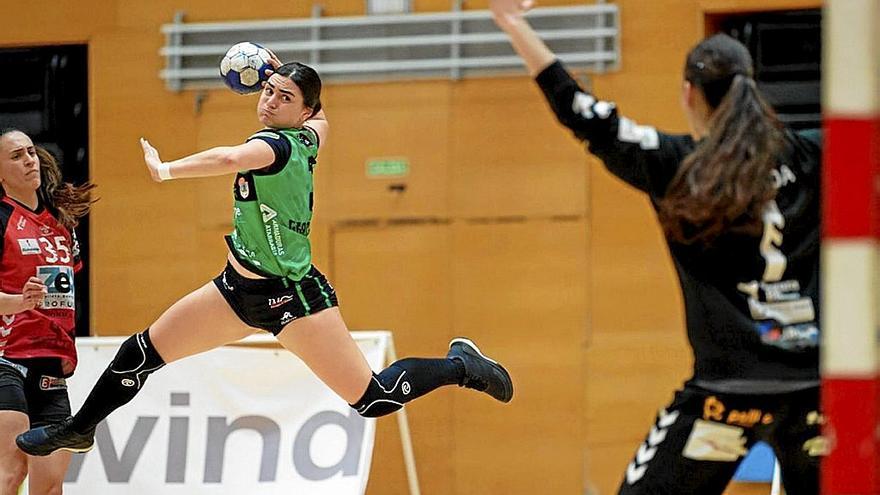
x=699 y=440
x=272 y=303
x=42 y=394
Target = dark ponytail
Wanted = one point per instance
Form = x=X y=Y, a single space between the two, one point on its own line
x=725 y=184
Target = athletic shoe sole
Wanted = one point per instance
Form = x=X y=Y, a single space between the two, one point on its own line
x=78 y=450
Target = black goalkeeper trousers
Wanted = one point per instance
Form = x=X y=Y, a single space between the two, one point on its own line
x=699 y=440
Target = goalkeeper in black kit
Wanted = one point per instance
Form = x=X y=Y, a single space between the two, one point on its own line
x=738 y=199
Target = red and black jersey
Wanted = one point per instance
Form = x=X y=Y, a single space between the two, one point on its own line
x=35 y=244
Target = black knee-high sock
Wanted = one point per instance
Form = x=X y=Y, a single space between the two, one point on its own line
x=120 y=382
x=404 y=381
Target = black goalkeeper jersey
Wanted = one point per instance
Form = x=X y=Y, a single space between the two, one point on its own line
x=751 y=303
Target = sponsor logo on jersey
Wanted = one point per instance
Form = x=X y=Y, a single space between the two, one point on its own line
x=244 y=189
x=276 y=244
x=52 y=383
x=287 y=317
x=748 y=418
x=273 y=231
x=304 y=139
x=45 y=230
x=301 y=228
x=713 y=409
x=268 y=213
x=815 y=418
x=276 y=302
x=716 y=442
x=643 y=135
x=588 y=107
x=21 y=223
x=796 y=337
x=29 y=246
x=59 y=282
x=817 y=446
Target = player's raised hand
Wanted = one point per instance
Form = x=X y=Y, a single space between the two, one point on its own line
x=509 y=11
x=151 y=158
x=274 y=61
x=32 y=293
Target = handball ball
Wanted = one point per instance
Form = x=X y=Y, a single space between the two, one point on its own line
x=244 y=66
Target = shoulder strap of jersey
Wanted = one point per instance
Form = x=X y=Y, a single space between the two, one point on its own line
x=315 y=135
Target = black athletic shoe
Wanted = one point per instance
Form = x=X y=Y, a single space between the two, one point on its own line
x=480 y=372
x=59 y=436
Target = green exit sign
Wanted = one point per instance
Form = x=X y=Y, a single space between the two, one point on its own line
x=378 y=168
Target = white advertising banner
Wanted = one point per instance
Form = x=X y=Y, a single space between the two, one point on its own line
x=241 y=419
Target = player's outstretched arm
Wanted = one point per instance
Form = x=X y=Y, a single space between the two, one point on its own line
x=573 y=107
x=637 y=154
x=509 y=16
x=221 y=160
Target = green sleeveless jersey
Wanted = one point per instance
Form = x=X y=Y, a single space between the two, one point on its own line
x=273 y=207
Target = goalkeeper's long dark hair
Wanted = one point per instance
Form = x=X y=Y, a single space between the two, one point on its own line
x=725 y=184
x=67 y=202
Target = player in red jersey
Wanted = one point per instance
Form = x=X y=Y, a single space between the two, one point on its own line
x=38 y=257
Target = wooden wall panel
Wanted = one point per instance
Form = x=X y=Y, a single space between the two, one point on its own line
x=409 y=120
x=46 y=22
x=429 y=283
x=504 y=160
x=399 y=279
x=520 y=293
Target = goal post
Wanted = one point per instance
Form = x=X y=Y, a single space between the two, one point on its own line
x=851 y=247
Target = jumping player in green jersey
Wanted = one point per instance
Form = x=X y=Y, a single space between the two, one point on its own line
x=269 y=282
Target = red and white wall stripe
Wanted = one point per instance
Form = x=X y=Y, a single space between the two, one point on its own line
x=851 y=247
